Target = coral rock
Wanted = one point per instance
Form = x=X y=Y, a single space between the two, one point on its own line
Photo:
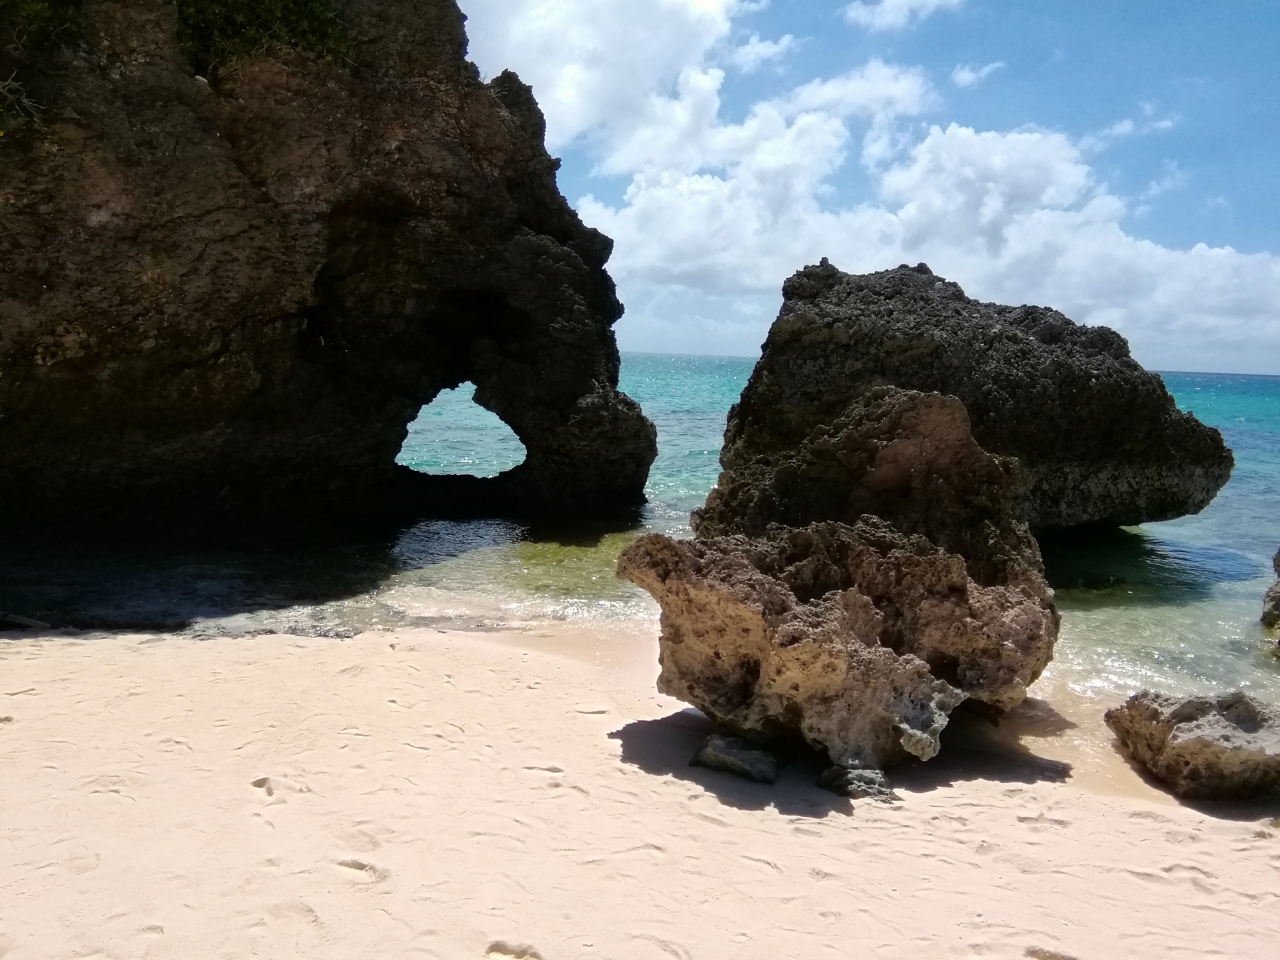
x=1271 y=602
x=735 y=755
x=1098 y=439
x=857 y=637
x=1204 y=748
x=236 y=294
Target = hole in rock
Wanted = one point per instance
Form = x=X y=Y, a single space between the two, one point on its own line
x=455 y=436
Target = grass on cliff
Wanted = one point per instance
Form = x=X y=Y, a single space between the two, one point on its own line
x=216 y=32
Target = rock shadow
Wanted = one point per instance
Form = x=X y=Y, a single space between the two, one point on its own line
x=665 y=746
x=973 y=748
x=314 y=580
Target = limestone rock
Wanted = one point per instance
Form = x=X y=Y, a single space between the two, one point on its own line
x=1098 y=439
x=1271 y=602
x=1204 y=748
x=904 y=456
x=857 y=637
x=735 y=755
x=858 y=784
x=234 y=295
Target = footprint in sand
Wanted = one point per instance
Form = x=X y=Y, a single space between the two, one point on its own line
x=501 y=950
x=362 y=872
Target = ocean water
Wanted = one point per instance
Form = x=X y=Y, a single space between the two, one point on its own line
x=1172 y=605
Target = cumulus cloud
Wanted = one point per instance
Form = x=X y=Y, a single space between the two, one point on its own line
x=755 y=53
x=717 y=214
x=894 y=14
x=594 y=63
x=965 y=76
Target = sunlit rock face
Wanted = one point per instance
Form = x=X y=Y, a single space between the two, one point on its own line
x=858 y=638
x=1207 y=748
x=1097 y=438
x=233 y=298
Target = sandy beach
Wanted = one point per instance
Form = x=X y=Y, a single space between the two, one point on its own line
x=528 y=794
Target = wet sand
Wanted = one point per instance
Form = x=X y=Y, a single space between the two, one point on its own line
x=528 y=794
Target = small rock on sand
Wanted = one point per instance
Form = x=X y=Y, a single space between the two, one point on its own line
x=735 y=755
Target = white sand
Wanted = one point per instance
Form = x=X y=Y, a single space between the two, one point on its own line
x=462 y=796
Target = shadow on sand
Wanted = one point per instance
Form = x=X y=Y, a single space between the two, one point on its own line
x=973 y=749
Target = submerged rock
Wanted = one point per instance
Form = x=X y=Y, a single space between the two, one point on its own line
x=904 y=456
x=1204 y=748
x=1271 y=602
x=1098 y=439
x=735 y=755
x=857 y=637
x=232 y=294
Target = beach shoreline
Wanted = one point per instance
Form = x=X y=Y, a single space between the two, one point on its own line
x=526 y=793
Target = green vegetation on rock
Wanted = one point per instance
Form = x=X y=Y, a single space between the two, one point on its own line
x=213 y=32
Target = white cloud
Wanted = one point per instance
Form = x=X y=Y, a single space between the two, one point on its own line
x=717 y=214
x=594 y=64
x=965 y=76
x=894 y=14
x=755 y=53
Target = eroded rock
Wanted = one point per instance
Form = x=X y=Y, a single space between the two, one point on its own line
x=1271 y=602
x=233 y=296
x=857 y=637
x=901 y=455
x=735 y=755
x=1206 y=748
x=1098 y=439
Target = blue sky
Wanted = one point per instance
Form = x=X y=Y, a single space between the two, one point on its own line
x=1113 y=159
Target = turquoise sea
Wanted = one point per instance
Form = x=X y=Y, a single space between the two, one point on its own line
x=1173 y=605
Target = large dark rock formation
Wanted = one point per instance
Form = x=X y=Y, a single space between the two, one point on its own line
x=236 y=296
x=1098 y=439
x=857 y=637
x=1271 y=602
x=1206 y=748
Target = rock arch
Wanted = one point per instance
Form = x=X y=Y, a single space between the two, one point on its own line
x=231 y=299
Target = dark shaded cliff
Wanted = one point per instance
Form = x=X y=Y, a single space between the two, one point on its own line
x=230 y=297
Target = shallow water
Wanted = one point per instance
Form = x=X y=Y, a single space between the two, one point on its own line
x=1173 y=605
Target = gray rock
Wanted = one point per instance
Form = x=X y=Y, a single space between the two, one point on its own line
x=735 y=755
x=1271 y=602
x=1098 y=439
x=858 y=638
x=1204 y=748
x=858 y=784
x=234 y=296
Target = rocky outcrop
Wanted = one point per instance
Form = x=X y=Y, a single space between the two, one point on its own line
x=1271 y=602
x=859 y=638
x=904 y=456
x=1204 y=748
x=233 y=296
x=1097 y=438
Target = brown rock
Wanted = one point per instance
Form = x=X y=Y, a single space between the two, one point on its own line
x=857 y=637
x=1098 y=439
x=1207 y=748
x=904 y=456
